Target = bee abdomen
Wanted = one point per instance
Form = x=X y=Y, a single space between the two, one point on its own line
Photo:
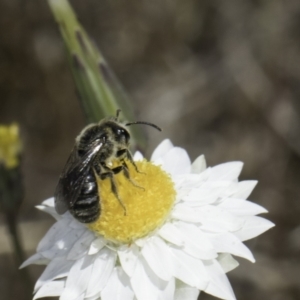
x=89 y=188
x=86 y=209
x=86 y=201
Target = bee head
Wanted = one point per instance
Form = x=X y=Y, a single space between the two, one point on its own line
x=120 y=134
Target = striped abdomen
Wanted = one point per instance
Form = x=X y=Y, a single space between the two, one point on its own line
x=86 y=208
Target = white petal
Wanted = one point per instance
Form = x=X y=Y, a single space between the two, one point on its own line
x=140 y=242
x=168 y=292
x=219 y=285
x=118 y=287
x=59 y=249
x=96 y=297
x=227 y=262
x=102 y=270
x=231 y=189
x=170 y=233
x=185 y=292
x=156 y=255
x=49 y=202
x=229 y=243
x=76 y=225
x=58 y=268
x=96 y=245
x=49 y=210
x=203 y=176
x=78 y=278
x=176 y=162
x=147 y=286
x=222 y=184
x=81 y=246
x=199 y=165
x=182 y=212
x=81 y=297
x=207 y=193
x=244 y=189
x=213 y=217
x=138 y=156
x=188 y=181
x=253 y=226
x=128 y=256
x=163 y=148
x=241 y=207
x=62 y=243
x=195 y=241
x=37 y=259
x=184 y=184
x=56 y=231
x=188 y=269
x=50 y=289
x=226 y=171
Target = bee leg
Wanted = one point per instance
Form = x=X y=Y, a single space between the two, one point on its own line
x=127 y=175
x=128 y=155
x=110 y=175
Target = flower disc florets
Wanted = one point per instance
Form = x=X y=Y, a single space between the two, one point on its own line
x=148 y=199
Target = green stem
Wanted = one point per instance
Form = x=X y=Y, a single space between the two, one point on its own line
x=11 y=222
x=11 y=195
x=99 y=91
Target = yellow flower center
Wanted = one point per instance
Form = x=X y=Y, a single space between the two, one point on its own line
x=10 y=145
x=148 y=200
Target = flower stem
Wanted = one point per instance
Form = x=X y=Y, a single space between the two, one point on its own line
x=11 y=223
x=100 y=94
x=11 y=195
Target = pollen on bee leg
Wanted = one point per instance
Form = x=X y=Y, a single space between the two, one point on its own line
x=146 y=209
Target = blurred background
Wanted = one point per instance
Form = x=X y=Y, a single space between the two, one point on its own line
x=221 y=78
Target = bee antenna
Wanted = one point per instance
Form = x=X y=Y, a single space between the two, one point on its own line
x=146 y=123
x=117 y=114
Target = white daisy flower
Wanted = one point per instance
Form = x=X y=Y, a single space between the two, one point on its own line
x=177 y=238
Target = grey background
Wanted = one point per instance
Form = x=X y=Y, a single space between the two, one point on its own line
x=221 y=78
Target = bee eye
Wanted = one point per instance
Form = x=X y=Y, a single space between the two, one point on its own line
x=120 y=131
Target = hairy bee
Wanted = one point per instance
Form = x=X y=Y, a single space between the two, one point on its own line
x=95 y=148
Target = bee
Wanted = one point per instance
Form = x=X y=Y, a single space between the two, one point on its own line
x=95 y=148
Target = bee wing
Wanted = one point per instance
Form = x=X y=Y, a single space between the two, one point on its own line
x=72 y=178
